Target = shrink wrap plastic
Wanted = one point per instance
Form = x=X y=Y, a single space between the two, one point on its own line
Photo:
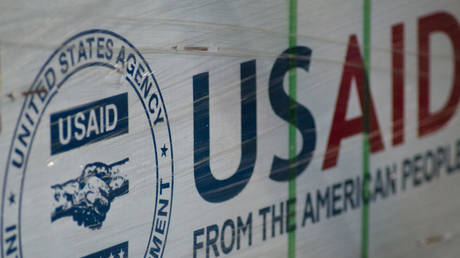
x=216 y=128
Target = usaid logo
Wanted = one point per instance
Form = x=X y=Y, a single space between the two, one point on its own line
x=91 y=122
x=105 y=187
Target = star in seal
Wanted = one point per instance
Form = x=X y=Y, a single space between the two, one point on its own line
x=12 y=198
x=163 y=150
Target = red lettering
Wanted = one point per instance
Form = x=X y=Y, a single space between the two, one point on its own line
x=440 y=22
x=397 y=43
x=341 y=128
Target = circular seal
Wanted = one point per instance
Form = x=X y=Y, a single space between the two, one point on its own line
x=90 y=166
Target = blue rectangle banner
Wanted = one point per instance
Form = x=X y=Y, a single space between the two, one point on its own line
x=89 y=123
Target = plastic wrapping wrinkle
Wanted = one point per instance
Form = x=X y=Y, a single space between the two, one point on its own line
x=234 y=168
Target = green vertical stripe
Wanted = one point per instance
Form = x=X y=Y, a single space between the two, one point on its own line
x=366 y=128
x=292 y=131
